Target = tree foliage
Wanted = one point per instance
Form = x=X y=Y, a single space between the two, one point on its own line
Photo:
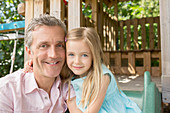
x=8 y=13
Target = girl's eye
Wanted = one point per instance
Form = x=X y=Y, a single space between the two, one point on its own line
x=84 y=55
x=70 y=54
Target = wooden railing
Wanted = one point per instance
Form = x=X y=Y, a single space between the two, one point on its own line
x=136 y=48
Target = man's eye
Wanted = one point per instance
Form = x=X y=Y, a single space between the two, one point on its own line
x=60 y=45
x=43 y=46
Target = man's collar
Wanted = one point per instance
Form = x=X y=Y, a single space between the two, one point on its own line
x=31 y=84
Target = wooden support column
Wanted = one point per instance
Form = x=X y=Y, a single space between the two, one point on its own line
x=165 y=48
x=94 y=13
x=74 y=14
x=38 y=8
x=131 y=62
x=29 y=14
x=147 y=61
x=55 y=8
x=100 y=22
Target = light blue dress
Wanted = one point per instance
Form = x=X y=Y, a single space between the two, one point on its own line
x=114 y=101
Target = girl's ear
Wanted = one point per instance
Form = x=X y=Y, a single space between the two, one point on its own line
x=29 y=52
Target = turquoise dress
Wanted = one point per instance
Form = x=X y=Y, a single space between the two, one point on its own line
x=114 y=101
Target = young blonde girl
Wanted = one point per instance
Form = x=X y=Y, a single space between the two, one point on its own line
x=95 y=86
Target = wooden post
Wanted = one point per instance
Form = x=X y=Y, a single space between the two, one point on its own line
x=38 y=8
x=100 y=22
x=143 y=28
x=115 y=2
x=55 y=8
x=121 y=36
x=74 y=14
x=136 y=45
x=151 y=34
x=165 y=48
x=128 y=35
x=29 y=14
x=94 y=13
x=131 y=62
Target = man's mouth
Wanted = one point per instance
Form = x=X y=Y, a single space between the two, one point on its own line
x=52 y=63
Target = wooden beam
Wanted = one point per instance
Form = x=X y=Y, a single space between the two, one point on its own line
x=38 y=8
x=55 y=8
x=29 y=14
x=165 y=48
x=21 y=9
x=74 y=14
x=94 y=13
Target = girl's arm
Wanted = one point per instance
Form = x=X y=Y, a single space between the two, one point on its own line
x=95 y=106
x=71 y=104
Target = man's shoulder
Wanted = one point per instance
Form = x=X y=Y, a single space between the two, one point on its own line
x=12 y=78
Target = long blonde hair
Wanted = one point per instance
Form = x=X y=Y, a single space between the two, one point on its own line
x=92 y=83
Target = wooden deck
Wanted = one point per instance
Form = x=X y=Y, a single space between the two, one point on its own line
x=136 y=82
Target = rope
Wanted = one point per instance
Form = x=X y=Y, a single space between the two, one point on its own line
x=13 y=54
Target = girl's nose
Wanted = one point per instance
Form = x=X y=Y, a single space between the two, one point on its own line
x=77 y=60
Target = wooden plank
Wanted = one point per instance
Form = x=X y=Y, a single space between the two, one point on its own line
x=55 y=8
x=124 y=54
x=143 y=31
x=94 y=5
x=104 y=31
x=155 y=54
x=147 y=61
x=110 y=36
x=136 y=45
x=107 y=55
x=131 y=62
x=115 y=18
x=29 y=14
x=100 y=22
x=140 y=71
x=158 y=32
x=38 y=8
x=18 y=25
x=74 y=14
x=128 y=35
x=155 y=71
x=139 y=55
x=11 y=36
x=151 y=34
x=121 y=36
x=160 y=63
x=107 y=29
x=124 y=71
x=118 y=63
x=21 y=9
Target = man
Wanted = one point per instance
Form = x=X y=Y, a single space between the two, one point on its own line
x=40 y=91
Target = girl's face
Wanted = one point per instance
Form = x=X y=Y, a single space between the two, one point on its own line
x=79 y=56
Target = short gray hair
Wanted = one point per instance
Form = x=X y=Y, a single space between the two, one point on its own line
x=42 y=20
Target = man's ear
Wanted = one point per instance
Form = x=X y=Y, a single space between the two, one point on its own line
x=29 y=52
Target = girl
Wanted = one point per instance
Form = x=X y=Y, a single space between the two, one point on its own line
x=94 y=84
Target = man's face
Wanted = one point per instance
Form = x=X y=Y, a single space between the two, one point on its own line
x=47 y=51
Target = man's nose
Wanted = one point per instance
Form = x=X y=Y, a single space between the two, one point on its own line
x=52 y=52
